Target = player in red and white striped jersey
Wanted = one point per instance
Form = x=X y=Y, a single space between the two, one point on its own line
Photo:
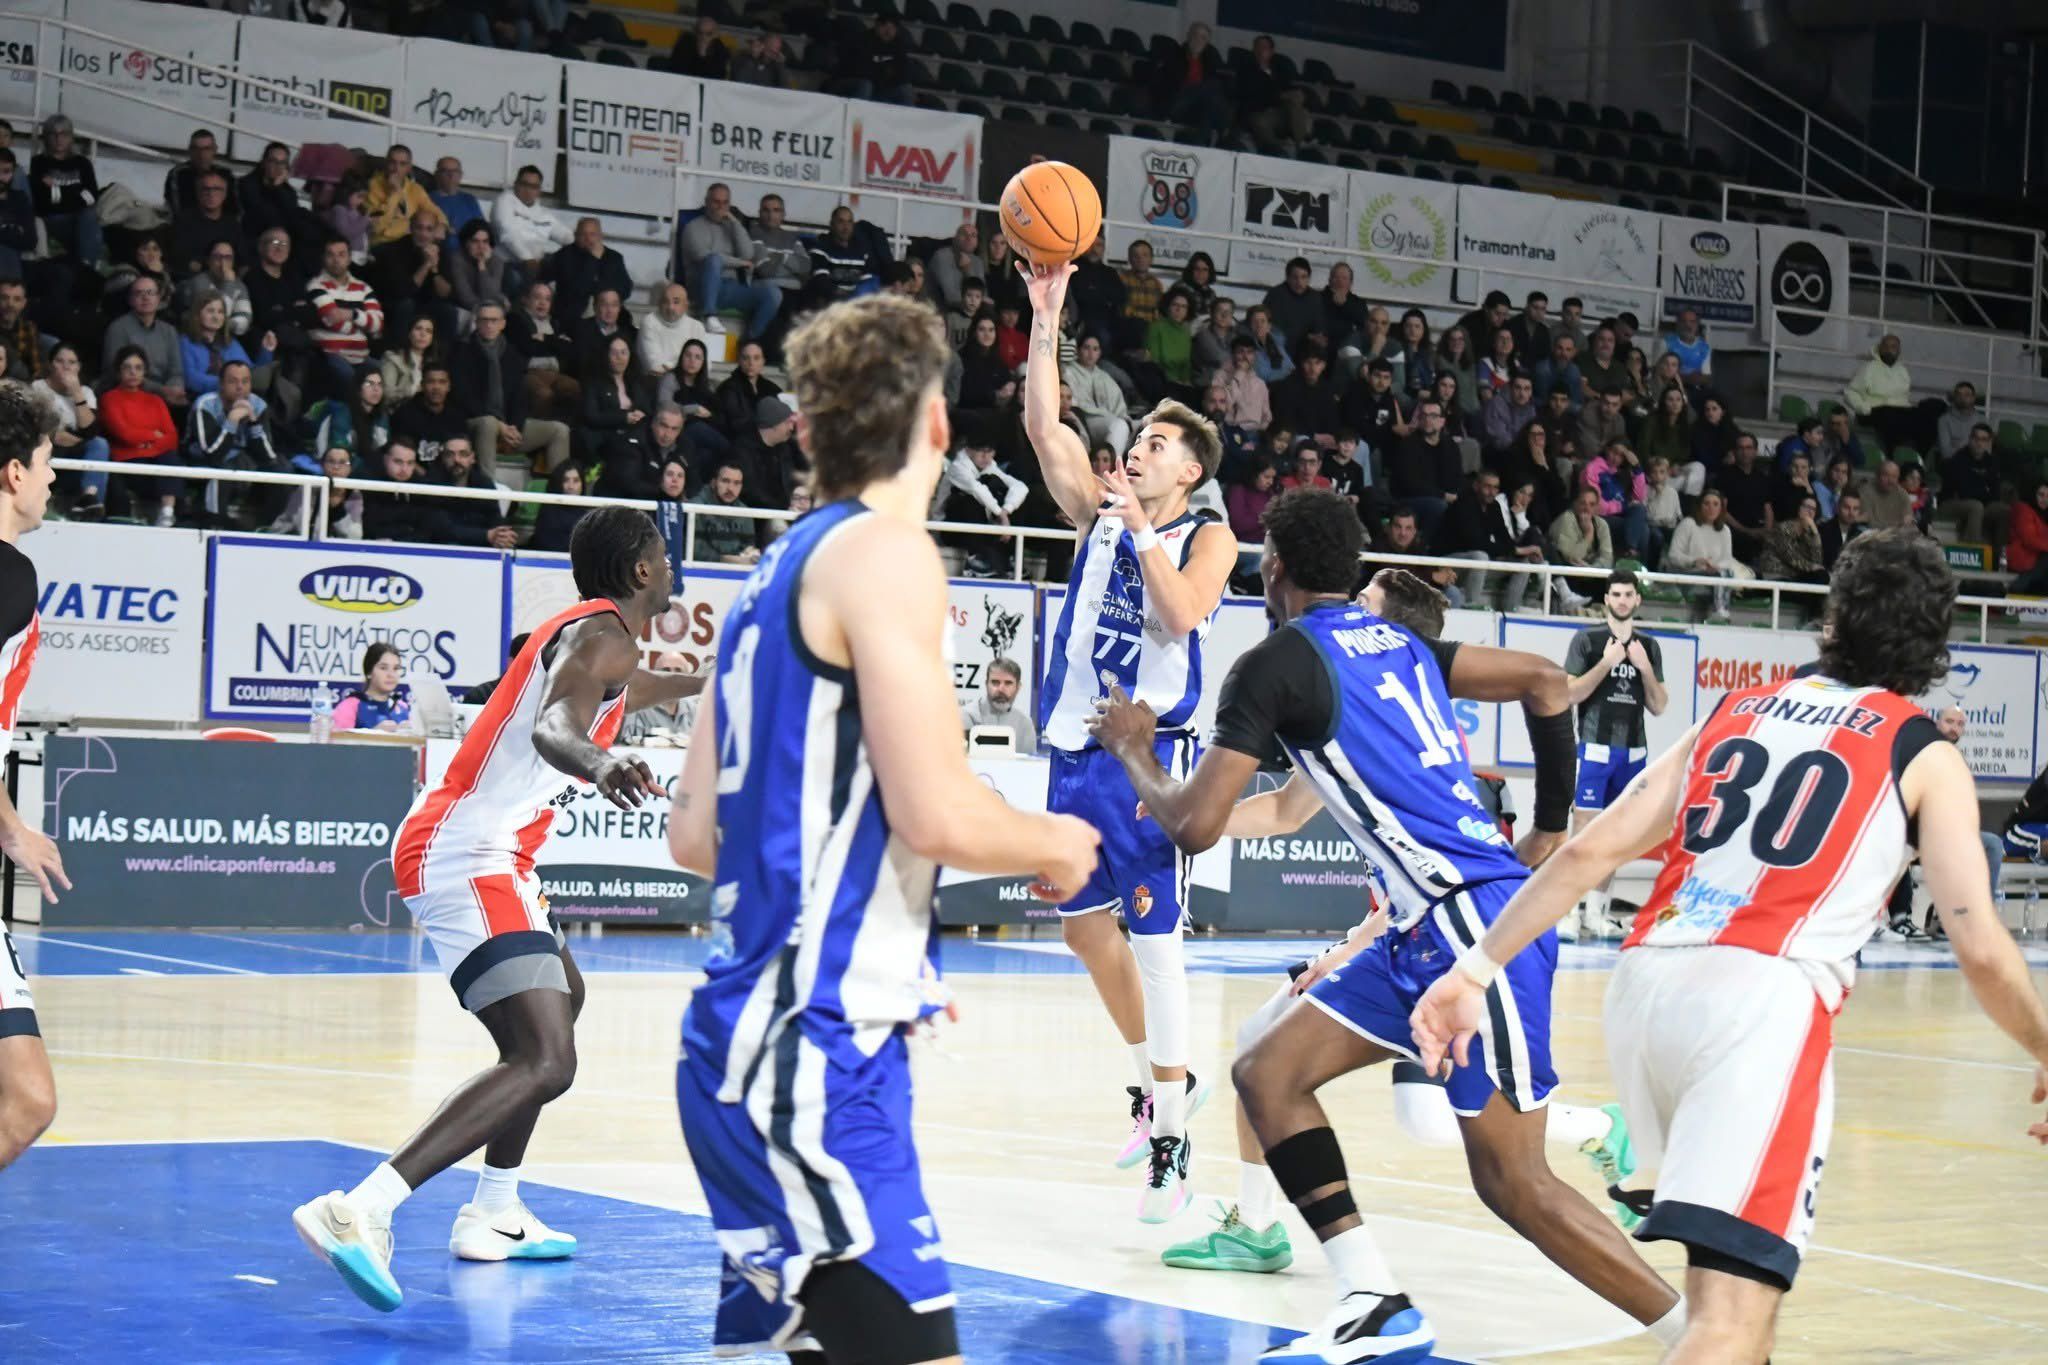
x=464 y=859
x=1783 y=820
x=28 y=1093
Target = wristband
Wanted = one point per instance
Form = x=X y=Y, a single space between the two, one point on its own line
x=1476 y=965
x=1146 y=539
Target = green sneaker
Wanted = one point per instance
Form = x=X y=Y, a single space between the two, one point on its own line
x=1614 y=1160
x=1233 y=1246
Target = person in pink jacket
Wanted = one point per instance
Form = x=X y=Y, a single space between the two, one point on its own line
x=1616 y=474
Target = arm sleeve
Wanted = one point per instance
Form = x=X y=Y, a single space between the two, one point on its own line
x=1278 y=688
x=1444 y=651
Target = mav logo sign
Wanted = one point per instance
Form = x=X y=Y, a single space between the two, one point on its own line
x=1287 y=210
x=915 y=166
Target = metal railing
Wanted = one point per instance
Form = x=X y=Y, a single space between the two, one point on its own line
x=2003 y=391
x=1544 y=572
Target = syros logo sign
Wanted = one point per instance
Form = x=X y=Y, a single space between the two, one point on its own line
x=360 y=589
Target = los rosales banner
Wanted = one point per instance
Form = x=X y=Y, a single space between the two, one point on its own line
x=1711 y=268
x=1610 y=254
x=458 y=89
x=1506 y=241
x=122 y=622
x=926 y=152
x=284 y=617
x=21 y=48
x=1176 y=192
x=2000 y=691
x=351 y=67
x=788 y=136
x=1406 y=233
x=179 y=833
x=1286 y=209
x=625 y=132
x=1806 y=274
x=186 y=38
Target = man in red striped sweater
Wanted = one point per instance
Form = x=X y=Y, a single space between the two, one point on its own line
x=348 y=315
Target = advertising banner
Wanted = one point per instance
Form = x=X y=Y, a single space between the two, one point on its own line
x=1314 y=878
x=1417 y=220
x=2001 y=695
x=348 y=66
x=925 y=152
x=180 y=833
x=284 y=617
x=625 y=132
x=1731 y=658
x=1807 y=271
x=1507 y=241
x=196 y=98
x=788 y=136
x=1614 y=248
x=1462 y=32
x=1288 y=209
x=1552 y=639
x=1711 y=268
x=23 y=52
x=122 y=622
x=1175 y=192
x=460 y=89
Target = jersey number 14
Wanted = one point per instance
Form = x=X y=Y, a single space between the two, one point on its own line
x=1437 y=739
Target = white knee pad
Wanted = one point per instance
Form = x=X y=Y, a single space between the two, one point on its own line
x=1261 y=1019
x=1163 y=974
x=1424 y=1113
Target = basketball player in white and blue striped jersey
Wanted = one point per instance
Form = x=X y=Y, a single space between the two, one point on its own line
x=1147 y=578
x=823 y=784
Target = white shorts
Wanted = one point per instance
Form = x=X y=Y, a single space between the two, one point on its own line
x=1724 y=1062
x=17 y=1005
x=493 y=935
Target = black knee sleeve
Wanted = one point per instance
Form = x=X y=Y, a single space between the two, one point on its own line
x=1307 y=1162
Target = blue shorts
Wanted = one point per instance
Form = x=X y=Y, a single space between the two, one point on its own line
x=1605 y=772
x=1374 y=993
x=1140 y=870
x=816 y=1164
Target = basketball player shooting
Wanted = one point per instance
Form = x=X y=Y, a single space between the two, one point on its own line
x=1148 y=576
x=822 y=787
x=464 y=859
x=28 y=1092
x=1782 y=820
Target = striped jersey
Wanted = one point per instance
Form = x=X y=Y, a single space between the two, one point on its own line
x=21 y=631
x=822 y=919
x=492 y=809
x=1791 y=831
x=1108 y=635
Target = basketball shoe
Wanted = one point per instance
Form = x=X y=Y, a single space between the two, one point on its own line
x=1139 y=1144
x=1166 y=1180
x=1233 y=1244
x=356 y=1242
x=1386 y=1329
x=1614 y=1161
x=512 y=1234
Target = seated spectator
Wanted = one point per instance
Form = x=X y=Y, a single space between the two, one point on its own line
x=194 y=234
x=17 y=218
x=1704 y=546
x=1581 y=538
x=1270 y=98
x=718 y=257
x=19 y=333
x=1529 y=461
x=139 y=429
x=404 y=366
x=65 y=190
x=724 y=539
x=1560 y=367
x=615 y=402
x=1695 y=353
x=556 y=522
x=383 y=702
x=1792 y=551
x=1839 y=439
x=1571 y=322
x=763 y=63
x=1913 y=479
x=1515 y=536
x=1269 y=349
x=344 y=505
x=1605 y=364
x=1247 y=502
x=1188 y=88
x=528 y=231
x=583 y=267
x=145 y=330
x=688 y=386
x=476 y=272
x=1497 y=370
x=952 y=265
x=997 y=705
x=1504 y=416
x=841 y=265
x=1143 y=291
x=1746 y=494
x=472 y=521
x=181 y=182
x=394 y=199
x=1806 y=439
x=458 y=206
x=1349 y=470
x=486 y=374
x=767 y=453
x=221 y=278
x=1831 y=486
x=206 y=348
x=1096 y=292
x=1454 y=358
x=1210 y=346
x=781 y=259
x=394 y=512
x=267 y=199
x=1247 y=402
x=1846 y=524
x=1616 y=474
x=1713 y=440
x=1886 y=504
x=1296 y=310
x=1531 y=327
x=1663 y=503
x=633 y=469
x=742 y=391
x=1170 y=346
x=1373 y=410
x=78 y=426
x=409 y=280
x=356 y=425
x=347 y=315
x=876 y=66
x=1448 y=395
x=2026 y=547
x=669 y=516
x=1411 y=357
x=1401 y=536
x=986 y=383
x=1308 y=399
x=1467 y=532
x=1308 y=467
x=977 y=491
x=1952 y=429
x=1600 y=421
x=347 y=216
x=549 y=352
x=231 y=430
x=277 y=298
x=1198 y=278
x=664 y=332
x=1424 y=469
x=1790 y=486
x=429 y=419
x=1097 y=397
x=699 y=51
x=1667 y=433
x=593 y=335
x=1882 y=394
x=1969 y=488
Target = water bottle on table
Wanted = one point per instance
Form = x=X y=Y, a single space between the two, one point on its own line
x=320 y=722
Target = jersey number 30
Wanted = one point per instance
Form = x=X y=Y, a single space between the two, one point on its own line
x=1795 y=817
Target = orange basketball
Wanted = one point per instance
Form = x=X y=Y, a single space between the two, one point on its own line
x=1051 y=213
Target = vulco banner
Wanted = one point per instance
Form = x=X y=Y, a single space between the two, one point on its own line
x=1613 y=248
x=925 y=152
x=1807 y=275
x=462 y=89
x=1413 y=220
x=1711 y=269
x=626 y=131
x=788 y=136
x=21 y=50
x=282 y=617
x=2000 y=693
x=188 y=37
x=348 y=66
x=122 y=614
x=1176 y=192
x=1289 y=209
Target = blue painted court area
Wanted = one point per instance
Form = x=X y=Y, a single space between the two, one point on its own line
x=195 y=1259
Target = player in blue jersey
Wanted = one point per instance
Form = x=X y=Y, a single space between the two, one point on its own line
x=1360 y=708
x=1148 y=575
x=823 y=784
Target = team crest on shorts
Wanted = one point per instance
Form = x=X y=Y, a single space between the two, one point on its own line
x=1141 y=901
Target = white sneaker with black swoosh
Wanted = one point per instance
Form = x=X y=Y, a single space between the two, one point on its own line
x=512 y=1234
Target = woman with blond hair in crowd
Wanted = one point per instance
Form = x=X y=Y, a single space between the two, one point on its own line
x=1704 y=546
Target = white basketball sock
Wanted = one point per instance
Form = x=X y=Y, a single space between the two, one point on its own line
x=1142 y=1059
x=496 y=1188
x=1574 y=1125
x=382 y=1190
x=1170 y=1108
x=1258 y=1198
x=1669 y=1328
x=1360 y=1268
